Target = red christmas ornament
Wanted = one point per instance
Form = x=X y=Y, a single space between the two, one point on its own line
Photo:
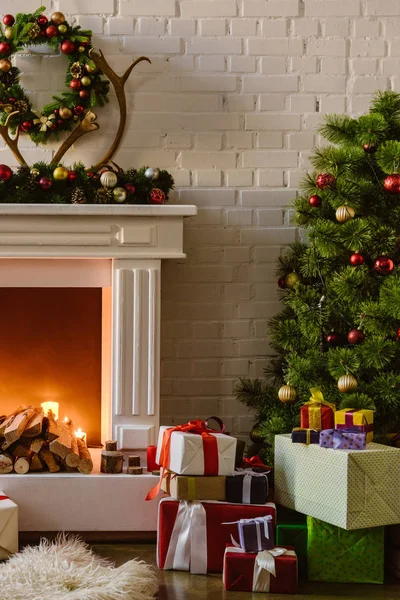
x=11 y=100
x=68 y=47
x=130 y=188
x=8 y=20
x=355 y=336
x=384 y=265
x=90 y=173
x=75 y=84
x=79 y=110
x=72 y=175
x=398 y=333
x=45 y=183
x=51 y=31
x=5 y=173
x=356 y=259
x=282 y=283
x=392 y=184
x=5 y=48
x=325 y=181
x=370 y=148
x=26 y=126
x=333 y=339
x=156 y=196
x=315 y=201
x=60 y=122
x=84 y=94
x=42 y=21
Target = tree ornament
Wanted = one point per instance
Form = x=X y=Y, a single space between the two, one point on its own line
x=68 y=47
x=8 y=20
x=84 y=94
x=45 y=183
x=42 y=21
x=72 y=176
x=79 y=110
x=26 y=126
x=255 y=434
x=65 y=112
x=282 y=283
x=62 y=29
x=156 y=196
x=35 y=172
x=370 y=148
x=344 y=213
x=333 y=339
x=5 y=48
x=5 y=173
x=51 y=31
x=291 y=280
x=119 y=194
x=75 y=84
x=287 y=394
x=384 y=265
x=355 y=336
x=91 y=68
x=108 y=179
x=356 y=259
x=315 y=201
x=392 y=184
x=8 y=33
x=151 y=173
x=398 y=333
x=60 y=173
x=58 y=18
x=130 y=188
x=5 y=65
x=86 y=81
x=325 y=181
x=347 y=383
x=81 y=49
x=78 y=196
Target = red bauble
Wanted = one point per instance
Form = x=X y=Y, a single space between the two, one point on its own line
x=356 y=259
x=130 y=188
x=79 y=110
x=90 y=173
x=5 y=173
x=75 y=84
x=156 y=196
x=384 y=265
x=333 y=339
x=42 y=21
x=315 y=201
x=11 y=100
x=355 y=336
x=51 y=31
x=5 y=48
x=398 y=333
x=370 y=148
x=26 y=126
x=324 y=181
x=60 y=122
x=392 y=183
x=282 y=283
x=45 y=183
x=68 y=47
x=72 y=176
x=84 y=94
x=8 y=20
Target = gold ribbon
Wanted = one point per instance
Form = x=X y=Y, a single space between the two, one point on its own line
x=314 y=408
x=308 y=433
x=191 y=488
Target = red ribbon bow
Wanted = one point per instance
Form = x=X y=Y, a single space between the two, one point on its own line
x=254 y=461
x=4 y=498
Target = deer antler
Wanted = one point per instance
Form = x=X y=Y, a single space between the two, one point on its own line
x=118 y=84
x=12 y=143
x=85 y=126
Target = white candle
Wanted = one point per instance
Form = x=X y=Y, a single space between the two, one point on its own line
x=80 y=434
x=51 y=407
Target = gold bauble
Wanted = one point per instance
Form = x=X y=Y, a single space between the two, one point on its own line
x=8 y=33
x=62 y=29
x=347 y=383
x=5 y=65
x=91 y=68
x=58 y=18
x=287 y=394
x=34 y=172
x=344 y=213
x=65 y=112
x=119 y=194
x=81 y=49
x=108 y=179
x=60 y=173
x=86 y=81
x=291 y=280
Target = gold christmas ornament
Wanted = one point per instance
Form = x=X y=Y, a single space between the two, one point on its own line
x=8 y=33
x=65 y=112
x=5 y=65
x=108 y=179
x=347 y=383
x=34 y=172
x=62 y=29
x=91 y=68
x=86 y=81
x=60 y=173
x=292 y=279
x=287 y=394
x=344 y=213
x=119 y=194
x=58 y=18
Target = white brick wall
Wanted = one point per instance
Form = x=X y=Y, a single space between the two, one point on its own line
x=230 y=105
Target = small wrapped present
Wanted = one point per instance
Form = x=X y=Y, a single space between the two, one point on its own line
x=255 y=534
x=300 y=435
x=273 y=571
x=247 y=487
x=182 y=487
x=8 y=527
x=344 y=556
x=294 y=534
x=192 y=537
x=317 y=413
x=357 y=420
x=342 y=440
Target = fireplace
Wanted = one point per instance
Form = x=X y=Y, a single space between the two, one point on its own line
x=80 y=318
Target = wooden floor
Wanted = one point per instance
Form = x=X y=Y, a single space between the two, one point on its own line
x=183 y=586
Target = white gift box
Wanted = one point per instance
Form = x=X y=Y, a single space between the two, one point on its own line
x=187 y=456
x=8 y=527
x=351 y=489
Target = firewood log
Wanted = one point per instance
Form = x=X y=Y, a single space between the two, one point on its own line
x=51 y=429
x=34 y=426
x=23 y=464
x=36 y=463
x=37 y=445
x=6 y=464
x=15 y=426
x=49 y=459
x=72 y=459
x=20 y=450
x=63 y=444
x=85 y=463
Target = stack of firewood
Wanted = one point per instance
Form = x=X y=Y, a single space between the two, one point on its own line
x=31 y=441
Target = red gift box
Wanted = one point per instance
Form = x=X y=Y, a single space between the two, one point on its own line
x=268 y=571
x=191 y=535
x=318 y=413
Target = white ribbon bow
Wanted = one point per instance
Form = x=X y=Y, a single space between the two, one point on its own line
x=248 y=474
x=264 y=566
x=187 y=550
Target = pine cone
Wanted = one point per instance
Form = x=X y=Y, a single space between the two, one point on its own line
x=78 y=196
x=76 y=70
x=103 y=196
x=130 y=174
x=21 y=106
x=31 y=184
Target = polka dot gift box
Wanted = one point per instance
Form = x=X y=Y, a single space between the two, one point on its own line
x=342 y=440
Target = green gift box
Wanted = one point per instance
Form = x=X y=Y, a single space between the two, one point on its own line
x=294 y=534
x=342 y=556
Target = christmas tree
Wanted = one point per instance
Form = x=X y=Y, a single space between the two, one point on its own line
x=339 y=329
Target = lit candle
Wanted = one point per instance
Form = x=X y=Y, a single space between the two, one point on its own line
x=51 y=407
x=80 y=434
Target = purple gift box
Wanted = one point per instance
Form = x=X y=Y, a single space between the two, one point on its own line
x=256 y=535
x=344 y=440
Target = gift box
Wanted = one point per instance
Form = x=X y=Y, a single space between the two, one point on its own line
x=394 y=562
x=191 y=535
x=255 y=534
x=359 y=420
x=294 y=534
x=182 y=487
x=8 y=527
x=344 y=556
x=273 y=571
x=317 y=413
x=342 y=440
x=351 y=489
x=194 y=449
x=300 y=435
x=247 y=487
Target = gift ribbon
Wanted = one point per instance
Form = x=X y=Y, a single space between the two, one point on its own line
x=308 y=433
x=254 y=461
x=220 y=423
x=246 y=489
x=187 y=548
x=4 y=498
x=264 y=566
x=314 y=408
x=349 y=422
x=258 y=522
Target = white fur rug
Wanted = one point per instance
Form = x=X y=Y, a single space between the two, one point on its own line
x=67 y=569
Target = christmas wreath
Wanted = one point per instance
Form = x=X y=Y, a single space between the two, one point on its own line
x=86 y=87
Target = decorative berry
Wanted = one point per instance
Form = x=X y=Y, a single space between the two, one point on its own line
x=325 y=181
x=68 y=47
x=370 y=148
x=26 y=126
x=355 y=336
x=282 y=283
x=8 y=20
x=315 y=200
x=130 y=188
x=392 y=184
x=384 y=265
x=356 y=259
x=72 y=176
x=5 y=173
